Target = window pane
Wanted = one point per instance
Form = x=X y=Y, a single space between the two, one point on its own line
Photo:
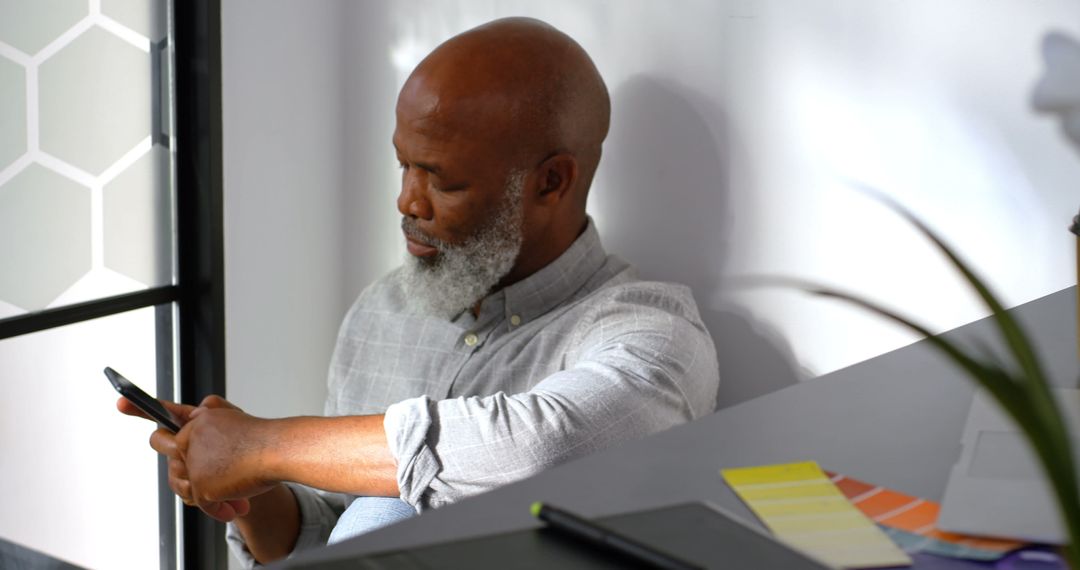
x=79 y=481
x=85 y=171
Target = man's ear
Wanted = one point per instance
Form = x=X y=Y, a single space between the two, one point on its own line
x=558 y=175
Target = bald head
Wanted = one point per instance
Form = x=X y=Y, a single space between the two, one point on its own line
x=505 y=118
x=531 y=89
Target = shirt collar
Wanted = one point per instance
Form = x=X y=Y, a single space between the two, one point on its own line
x=553 y=284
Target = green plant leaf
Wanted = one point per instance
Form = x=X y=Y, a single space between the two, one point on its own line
x=1010 y=329
x=1039 y=419
x=1049 y=433
x=1023 y=392
x=995 y=381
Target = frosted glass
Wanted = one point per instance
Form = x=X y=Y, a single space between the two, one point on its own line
x=44 y=236
x=12 y=112
x=137 y=215
x=95 y=100
x=79 y=481
x=30 y=26
x=85 y=104
x=144 y=16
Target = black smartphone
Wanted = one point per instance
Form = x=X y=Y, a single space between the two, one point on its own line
x=142 y=400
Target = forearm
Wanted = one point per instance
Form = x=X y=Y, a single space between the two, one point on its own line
x=341 y=454
x=271 y=527
x=344 y=454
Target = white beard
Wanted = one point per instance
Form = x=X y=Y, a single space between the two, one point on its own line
x=461 y=275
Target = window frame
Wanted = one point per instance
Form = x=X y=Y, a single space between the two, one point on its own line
x=199 y=239
x=190 y=315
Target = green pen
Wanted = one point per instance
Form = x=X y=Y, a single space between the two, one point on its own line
x=588 y=531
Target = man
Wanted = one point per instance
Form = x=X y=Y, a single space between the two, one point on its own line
x=507 y=343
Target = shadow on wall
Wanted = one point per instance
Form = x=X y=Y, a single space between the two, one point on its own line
x=667 y=210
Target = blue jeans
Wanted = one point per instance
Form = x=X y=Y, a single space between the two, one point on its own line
x=366 y=514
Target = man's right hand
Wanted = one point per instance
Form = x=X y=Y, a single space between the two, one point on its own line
x=164 y=442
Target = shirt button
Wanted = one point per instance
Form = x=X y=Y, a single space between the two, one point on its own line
x=515 y=320
x=471 y=339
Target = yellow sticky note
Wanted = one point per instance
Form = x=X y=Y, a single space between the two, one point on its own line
x=802 y=507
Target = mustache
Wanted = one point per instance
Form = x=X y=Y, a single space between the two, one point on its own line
x=411 y=228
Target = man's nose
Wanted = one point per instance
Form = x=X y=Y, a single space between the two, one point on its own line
x=413 y=200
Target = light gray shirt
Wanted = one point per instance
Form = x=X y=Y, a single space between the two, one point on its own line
x=575 y=358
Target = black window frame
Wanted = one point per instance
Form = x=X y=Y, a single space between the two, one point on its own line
x=198 y=298
x=200 y=266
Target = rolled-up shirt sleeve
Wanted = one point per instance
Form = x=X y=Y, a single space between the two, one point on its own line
x=639 y=364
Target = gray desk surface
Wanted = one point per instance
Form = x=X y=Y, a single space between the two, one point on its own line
x=894 y=420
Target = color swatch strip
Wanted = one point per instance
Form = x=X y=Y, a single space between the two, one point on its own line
x=802 y=507
x=910 y=521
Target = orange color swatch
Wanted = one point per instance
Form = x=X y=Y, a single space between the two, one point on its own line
x=911 y=514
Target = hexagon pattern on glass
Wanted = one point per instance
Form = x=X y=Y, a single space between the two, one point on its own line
x=85 y=188
x=95 y=103
x=135 y=213
x=42 y=212
x=12 y=112
x=30 y=26
x=144 y=16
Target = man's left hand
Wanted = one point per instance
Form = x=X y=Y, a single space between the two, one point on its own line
x=224 y=451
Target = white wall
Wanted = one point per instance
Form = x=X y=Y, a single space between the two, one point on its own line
x=741 y=132
x=285 y=260
x=284 y=164
x=372 y=223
